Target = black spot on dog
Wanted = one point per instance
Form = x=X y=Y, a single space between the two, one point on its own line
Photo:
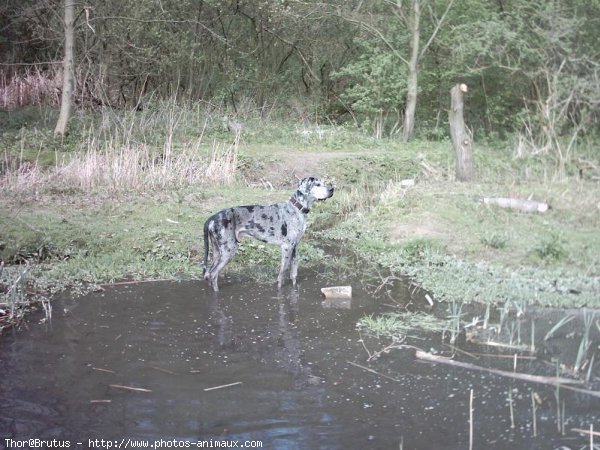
x=256 y=226
x=263 y=216
x=284 y=229
x=249 y=208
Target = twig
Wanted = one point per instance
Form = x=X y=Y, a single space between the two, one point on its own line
x=222 y=386
x=368 y=369
x=100 y=401
x=362 y=341
x=582 y=391
x=16 y=281
x=129 y=388
x=121 y=283
x=582 y=431
x=160 y=369
x=522 y=348
x=471 y=421
x=103 y=370
x=492 y=355
x=534 y=413
x=396 y=344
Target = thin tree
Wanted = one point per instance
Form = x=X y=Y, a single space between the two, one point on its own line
x=411 y=19
x=68 y=69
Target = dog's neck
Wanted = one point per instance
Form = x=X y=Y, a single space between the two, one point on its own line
x=300 y=202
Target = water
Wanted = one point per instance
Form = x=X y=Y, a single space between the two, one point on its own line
x=288 y=355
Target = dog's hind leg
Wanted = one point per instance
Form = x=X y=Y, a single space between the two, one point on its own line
x=225 y=253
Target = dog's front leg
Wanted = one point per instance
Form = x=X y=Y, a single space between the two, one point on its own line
x=286 y=257
x=294 y=265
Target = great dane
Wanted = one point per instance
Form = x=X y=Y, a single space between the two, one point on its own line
x=281 y=223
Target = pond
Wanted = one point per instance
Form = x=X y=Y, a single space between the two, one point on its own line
x=173 y=361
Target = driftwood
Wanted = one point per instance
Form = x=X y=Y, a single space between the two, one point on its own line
x=462 y=140
x=517 y=203
x=519 y=376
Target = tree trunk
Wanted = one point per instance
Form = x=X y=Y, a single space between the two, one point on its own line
x=68 y=72
x=461 y=137
x=412 y=82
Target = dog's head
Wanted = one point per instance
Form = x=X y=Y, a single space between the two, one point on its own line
x=315 y=188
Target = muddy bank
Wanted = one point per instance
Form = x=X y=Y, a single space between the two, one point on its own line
x=289 y=356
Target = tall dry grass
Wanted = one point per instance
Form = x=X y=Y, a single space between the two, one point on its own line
x=156 y=149
x=31 y=87
x=138 y=167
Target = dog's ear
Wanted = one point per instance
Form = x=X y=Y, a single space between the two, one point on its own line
x=308 y=181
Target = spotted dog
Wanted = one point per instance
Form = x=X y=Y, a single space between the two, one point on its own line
x=281 y=223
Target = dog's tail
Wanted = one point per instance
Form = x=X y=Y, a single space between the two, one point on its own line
x=206 y=240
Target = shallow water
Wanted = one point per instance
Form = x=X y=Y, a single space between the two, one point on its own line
x=289 y=356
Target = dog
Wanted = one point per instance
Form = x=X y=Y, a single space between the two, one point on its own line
x=281 y=223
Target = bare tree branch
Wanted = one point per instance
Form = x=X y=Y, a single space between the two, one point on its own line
x=438 y=26
x=370 y=28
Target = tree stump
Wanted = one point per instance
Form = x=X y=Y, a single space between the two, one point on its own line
x=462 y=140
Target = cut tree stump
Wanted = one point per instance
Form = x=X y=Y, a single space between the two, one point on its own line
x=462 y=140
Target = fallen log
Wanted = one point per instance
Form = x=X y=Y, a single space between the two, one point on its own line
x=517 y=203
x=554 y=381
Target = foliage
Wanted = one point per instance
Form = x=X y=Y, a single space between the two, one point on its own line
x=550 y=249
x=531 y=66
x=399 y=323
x=376 y=85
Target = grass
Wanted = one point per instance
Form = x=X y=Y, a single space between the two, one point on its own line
x=400 y=323
x=125 y=195
x=105 y=239
x=442 y=236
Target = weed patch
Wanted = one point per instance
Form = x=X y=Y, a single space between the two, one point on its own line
x=399 y=323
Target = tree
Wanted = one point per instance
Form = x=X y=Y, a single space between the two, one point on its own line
x=409 y=17
x=68 y=69
x=540 y=57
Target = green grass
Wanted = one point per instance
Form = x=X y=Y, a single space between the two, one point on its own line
x=397 y=324
x=437 y=232
x=102 y=240
x=461 y=250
